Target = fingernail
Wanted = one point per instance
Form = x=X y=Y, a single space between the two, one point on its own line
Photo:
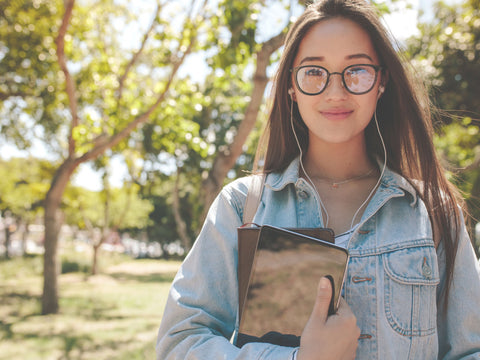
x=324 y=283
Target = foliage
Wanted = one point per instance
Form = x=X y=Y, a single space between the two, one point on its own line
x=24 y=183
x=128 y=209
x=72 y=266
x=107 y=60
x=29 y=73
x=162 y=225
x=448 y=53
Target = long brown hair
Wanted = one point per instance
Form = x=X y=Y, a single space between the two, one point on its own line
x=403 y=113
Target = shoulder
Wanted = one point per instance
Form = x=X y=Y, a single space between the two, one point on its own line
x=244 y=194
x=238 y=187
x=236 y=192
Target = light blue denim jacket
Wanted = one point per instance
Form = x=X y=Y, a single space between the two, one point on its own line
x=393 y=284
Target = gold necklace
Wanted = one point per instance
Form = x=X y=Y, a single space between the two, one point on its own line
x=336 y=184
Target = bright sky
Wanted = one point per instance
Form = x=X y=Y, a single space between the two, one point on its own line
x=402 y=24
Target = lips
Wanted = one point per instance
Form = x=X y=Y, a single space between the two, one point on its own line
x=336 y=114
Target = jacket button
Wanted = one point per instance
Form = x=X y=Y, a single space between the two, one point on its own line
x=303 y=194
x=426 y=270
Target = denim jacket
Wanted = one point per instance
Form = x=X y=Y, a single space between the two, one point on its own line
x=393 y=283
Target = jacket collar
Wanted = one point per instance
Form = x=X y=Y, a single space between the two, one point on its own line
x=390 y=179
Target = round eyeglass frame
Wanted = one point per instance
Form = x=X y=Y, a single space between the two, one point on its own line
x=295 y=70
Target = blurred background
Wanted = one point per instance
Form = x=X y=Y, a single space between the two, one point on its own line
x=121 y=120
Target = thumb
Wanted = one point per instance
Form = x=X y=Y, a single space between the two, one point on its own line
x=324 y=296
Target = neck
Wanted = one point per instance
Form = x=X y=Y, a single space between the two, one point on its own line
x=337 y=162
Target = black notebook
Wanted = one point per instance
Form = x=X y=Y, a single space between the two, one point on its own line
x=284 y=279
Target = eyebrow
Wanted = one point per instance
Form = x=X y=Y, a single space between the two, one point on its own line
x=359 y=56
x=349 y=57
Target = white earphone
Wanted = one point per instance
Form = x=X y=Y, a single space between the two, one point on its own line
x=381 y=89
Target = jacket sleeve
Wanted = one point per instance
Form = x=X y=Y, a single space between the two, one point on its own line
x=459 y=325
x=201 y=311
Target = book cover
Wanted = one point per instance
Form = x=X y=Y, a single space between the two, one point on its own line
x=283 y=281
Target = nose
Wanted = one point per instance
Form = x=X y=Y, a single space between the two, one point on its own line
x=335 y=89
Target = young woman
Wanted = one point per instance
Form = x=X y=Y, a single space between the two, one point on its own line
x=350 y=148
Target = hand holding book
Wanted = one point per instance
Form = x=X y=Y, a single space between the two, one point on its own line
x=329 y=337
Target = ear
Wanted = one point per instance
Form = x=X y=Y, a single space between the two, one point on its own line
x=383 y=81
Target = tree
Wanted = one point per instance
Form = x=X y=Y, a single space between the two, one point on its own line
x=101 y=103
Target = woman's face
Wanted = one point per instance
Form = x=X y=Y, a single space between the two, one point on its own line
x=336 y=116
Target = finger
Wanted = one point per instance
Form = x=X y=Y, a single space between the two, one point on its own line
x=322 y=301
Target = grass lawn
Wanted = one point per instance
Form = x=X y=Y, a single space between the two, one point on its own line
x=114 y=315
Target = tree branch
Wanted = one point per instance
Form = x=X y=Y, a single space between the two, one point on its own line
x=137 y=54
x=69 y=83
x=109 y=142
x=226 y=160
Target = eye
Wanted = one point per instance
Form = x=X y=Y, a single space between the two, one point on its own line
x=317 y=72
x=357 y=70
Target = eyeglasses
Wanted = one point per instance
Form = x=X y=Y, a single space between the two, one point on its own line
x=357 y=79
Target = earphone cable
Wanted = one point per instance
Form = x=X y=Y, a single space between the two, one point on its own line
x=381 y=173
x=303 y=168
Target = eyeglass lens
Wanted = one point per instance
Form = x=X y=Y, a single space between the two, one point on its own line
x=357 y=78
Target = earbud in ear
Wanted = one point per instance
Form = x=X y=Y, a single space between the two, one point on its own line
x=291 y=92
x=381 y=89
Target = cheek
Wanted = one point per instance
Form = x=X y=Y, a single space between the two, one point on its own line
x=306 y=102
x=368 y=104
x=306 y=106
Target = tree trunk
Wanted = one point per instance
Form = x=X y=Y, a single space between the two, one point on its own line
x=181 y=225
x=25 y=234
x=7 y=240
x=96 y=247
x=106 y=222
x=52 y=226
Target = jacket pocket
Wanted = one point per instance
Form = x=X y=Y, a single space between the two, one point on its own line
x=411 y=279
